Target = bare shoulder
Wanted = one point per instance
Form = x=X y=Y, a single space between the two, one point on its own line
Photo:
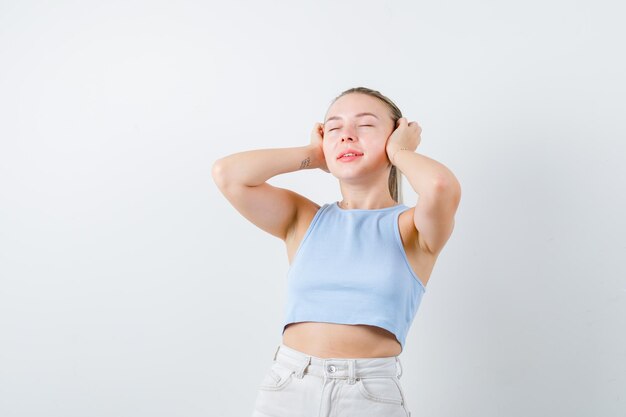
x=422 y=261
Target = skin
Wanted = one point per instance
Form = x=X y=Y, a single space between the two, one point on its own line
x=242 y=178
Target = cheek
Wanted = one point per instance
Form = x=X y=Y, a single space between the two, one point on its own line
x=375 y=142
x=325 y=147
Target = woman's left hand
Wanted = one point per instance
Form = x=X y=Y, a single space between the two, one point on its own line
x=406 y=135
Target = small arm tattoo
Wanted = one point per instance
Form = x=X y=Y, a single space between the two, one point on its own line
x=305 y=163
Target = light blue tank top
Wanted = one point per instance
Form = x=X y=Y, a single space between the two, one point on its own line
x=351 y=268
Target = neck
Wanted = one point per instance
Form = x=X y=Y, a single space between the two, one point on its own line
x=366 y=205
x=365 y=196
x=369 y=191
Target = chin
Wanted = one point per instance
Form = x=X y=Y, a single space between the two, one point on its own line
x=348 y=176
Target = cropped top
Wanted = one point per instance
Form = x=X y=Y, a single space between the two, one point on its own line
x=351 y=268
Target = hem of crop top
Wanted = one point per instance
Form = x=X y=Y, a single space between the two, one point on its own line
x=326 y=317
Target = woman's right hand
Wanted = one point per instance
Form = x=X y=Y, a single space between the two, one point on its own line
x=317 y=137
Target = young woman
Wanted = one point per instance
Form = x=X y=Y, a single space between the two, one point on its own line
x=358 y=267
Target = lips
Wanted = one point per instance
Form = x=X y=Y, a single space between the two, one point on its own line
x=353 y=151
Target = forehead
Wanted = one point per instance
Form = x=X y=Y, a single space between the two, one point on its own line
x=356 y=105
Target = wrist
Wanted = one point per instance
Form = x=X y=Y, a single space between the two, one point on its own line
x=314 y=158
x=393 y=156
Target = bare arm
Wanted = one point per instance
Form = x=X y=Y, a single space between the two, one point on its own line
x=242 y=177
x=252 y=168
x=439 y=196
x=438 y=188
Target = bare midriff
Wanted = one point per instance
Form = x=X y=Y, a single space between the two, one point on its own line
x=333 y=340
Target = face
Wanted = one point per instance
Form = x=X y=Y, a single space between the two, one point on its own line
x=346 y=126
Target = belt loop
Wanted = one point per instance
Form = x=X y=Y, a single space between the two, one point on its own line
x=351 y=371
x=300 y=372
x=398 y=367
x=276 y=353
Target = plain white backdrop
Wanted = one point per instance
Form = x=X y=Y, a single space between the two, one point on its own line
x=130 y=287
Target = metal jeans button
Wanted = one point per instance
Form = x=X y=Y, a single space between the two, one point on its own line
x=331 y=368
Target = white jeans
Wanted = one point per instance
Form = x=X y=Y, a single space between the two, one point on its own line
x=301 y=385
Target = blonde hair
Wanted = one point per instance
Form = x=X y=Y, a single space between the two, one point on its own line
x=395 y=176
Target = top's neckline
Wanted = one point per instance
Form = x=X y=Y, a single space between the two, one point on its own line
x=380 y=209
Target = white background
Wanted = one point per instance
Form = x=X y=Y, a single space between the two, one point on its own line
x=130 y=287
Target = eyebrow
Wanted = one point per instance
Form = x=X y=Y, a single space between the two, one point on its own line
x=356 y=115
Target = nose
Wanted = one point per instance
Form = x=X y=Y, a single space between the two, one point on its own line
x=348 y=133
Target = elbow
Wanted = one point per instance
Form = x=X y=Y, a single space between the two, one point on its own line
x=219 y=173
x=449 y=187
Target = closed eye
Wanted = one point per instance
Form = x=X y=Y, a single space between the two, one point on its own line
x=330 y=130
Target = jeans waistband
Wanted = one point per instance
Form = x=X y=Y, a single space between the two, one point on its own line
x=344 y=368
